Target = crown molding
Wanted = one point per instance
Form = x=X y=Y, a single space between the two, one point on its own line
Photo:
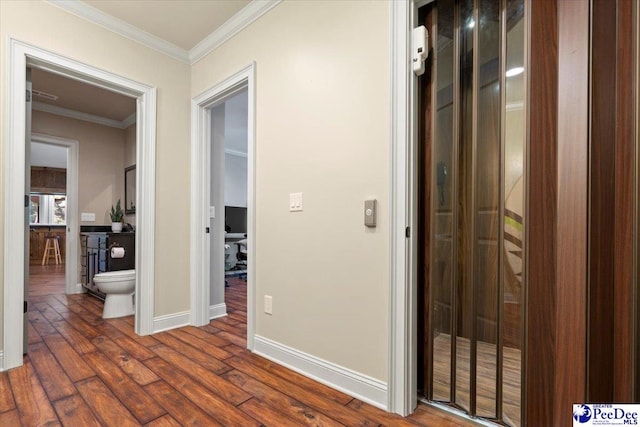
x=231 y=27
x=235 y=153
x=79 y=115
x=122 y=28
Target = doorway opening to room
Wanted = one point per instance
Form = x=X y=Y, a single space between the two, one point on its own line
x=82 y=152
x=471 y=156
x=24 y=57
x=229 y=174
x=223 y=217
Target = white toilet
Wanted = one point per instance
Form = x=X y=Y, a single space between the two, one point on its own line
x=119 y=287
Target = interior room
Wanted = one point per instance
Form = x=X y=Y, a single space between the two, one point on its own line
x=102 y=124
x=356 y=212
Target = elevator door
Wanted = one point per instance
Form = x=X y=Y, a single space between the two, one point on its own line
x=471 y=207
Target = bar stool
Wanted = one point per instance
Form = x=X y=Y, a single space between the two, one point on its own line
x=51 y=249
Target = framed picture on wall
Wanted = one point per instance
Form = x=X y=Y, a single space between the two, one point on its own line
x=130 y=190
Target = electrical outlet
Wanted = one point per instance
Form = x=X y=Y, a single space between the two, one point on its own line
x=87 y=216
x=268 y=304
x=295 y=202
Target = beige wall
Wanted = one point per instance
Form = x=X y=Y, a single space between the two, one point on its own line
x=100 y=163
x=48 y=27
x=322 y=128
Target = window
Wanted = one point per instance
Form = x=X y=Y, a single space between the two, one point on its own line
x=50 y=209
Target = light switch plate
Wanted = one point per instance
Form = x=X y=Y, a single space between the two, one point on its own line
x=88 y=217
x=295 y=202
x=212 y=211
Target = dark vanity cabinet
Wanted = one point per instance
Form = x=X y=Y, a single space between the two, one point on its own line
x=96 y=256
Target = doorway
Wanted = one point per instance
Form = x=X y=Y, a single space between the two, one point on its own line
x=22 y=56
x=208 y=200
x=471 y=208
x=228 y=192
x=44 y=148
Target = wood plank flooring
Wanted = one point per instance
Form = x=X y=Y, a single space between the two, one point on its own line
x=82 y=370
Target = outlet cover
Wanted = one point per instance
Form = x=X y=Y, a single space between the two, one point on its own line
x=295 y=202
x=268 y=304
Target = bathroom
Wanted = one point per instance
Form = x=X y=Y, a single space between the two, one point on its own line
x=95 y=130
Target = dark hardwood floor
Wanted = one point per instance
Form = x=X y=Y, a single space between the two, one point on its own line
x=82 y=370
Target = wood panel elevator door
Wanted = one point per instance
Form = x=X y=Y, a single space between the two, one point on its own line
x=472 y=207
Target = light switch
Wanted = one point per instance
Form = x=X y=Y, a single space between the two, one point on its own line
x=295 y=202
x=212 y=211
x=370 y=213
x=268 y=304
x=88 y=217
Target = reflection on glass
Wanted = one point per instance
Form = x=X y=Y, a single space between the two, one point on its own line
x=477 y=210
x=486 y=209
x=513 y=267
x=442 y=211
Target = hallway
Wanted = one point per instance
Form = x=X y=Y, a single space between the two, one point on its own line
x=83 y=370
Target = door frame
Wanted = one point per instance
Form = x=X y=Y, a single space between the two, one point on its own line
x=21 y=55
x=71 y=241
x=402 y=368
x=200 y=195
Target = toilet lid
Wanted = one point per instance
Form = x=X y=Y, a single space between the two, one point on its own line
x=114 y=274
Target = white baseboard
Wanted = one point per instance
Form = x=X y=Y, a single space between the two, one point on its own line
x=353 y=383
x=218 y=310
x=79 y=289
x=2 y=360
x=171 y=321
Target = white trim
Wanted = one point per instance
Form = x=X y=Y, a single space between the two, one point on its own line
x=78 y=115
x=128 y=121
x=1 y=360
x=145 y=211
x=402 y=299
x=19 y=55
x=171 y=321
x=243 y=18
x=118 y=26
x=231 y=27
x=353 y=383
x=218 y=310
x=235 y=153
x=200 y=143
x=73 y=230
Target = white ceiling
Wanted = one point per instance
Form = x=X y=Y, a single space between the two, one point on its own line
x=183 y=23
x=179 y=23
x=48 y=155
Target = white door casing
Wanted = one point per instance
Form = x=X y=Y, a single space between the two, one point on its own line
x=200 y=194
x=22 y=55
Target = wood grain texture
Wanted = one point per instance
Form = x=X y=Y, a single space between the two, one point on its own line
x=541 y=214
x=113 y=396
x=602 y=202
x=573 y=168
x=625 y=197
x=104 y=404
x=73 y=411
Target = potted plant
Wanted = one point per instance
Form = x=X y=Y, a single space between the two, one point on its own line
x=116 y=218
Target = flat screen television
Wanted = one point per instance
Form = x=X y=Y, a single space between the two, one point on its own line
x=235 y=218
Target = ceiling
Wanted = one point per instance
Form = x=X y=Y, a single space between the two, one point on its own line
x=183 y=23
x=81 y=97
